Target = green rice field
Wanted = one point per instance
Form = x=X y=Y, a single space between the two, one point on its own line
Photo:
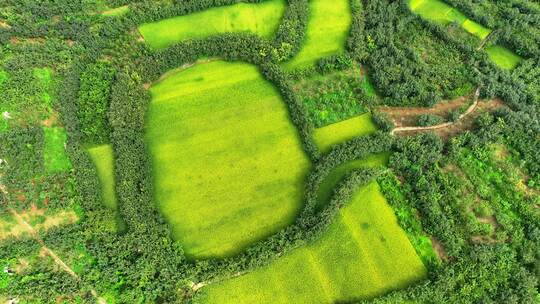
x=228 y=164
x=364 y=253
x=54 y=154
x=327 y=32
x=336 y=176
x=503 y=57
x=103 y=159
x=261 y=18
x=443 y=13
x=336 y=133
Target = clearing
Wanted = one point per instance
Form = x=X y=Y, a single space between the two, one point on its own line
x=261 y=18
x=503 y=57
x=336 y=176
x=227 y=162
x=364 y=253
x=55 y=158
x=11 y=227
x=103 y=159
x=336 y=133
x=327 y=32
x=443 y=13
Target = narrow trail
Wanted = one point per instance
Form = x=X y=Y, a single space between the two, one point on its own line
x=51 y=253
x=443 y=125
x=485 y=40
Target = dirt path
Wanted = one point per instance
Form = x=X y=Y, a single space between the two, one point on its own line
x=443 y=125
x=485 y=40
x=405 y=119
x=51 y=253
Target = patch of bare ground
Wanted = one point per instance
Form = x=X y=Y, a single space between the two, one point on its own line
x=439 y=249
x=19 y=40
x=14 y=229
x=408 y=116
x=448 y=129
x=46 y=251
x=51 y=121
x=4 y=24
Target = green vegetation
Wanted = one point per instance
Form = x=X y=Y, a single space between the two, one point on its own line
x=328 y=136
x=503 y=57
x=335 y=96
x=441 y=12
x=260 y=18
x=117 y=11
x=54 y=154
x=103 y=159
x=93 y=102
x=364 y=253
x=327 y=31
x=336 y=176
x=227 y=163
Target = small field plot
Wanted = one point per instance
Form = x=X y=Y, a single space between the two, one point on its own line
x=261 y=18
x=336 y=133
x=363 y=254
x=227 y=162
x=443 y=13
x=503 y=57
x=336 y=176
x=103 y=159
x=54 y=154
x=327 y=32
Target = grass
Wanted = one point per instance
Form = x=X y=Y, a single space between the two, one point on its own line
x=103 y=159
x=262 y=19
x=443 y=13
x=327 y=32
x=503 y=57
x=326 y=189
x=55 y=158
x=228 y=164
x=117 y=11
x=363 y=254
x=336 y=133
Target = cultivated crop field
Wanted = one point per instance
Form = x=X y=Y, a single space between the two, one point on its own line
x=364 y=253
x=269 y=151
x=228 y=164
x=261 y=19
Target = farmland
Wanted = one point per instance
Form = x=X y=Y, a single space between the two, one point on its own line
x=103 y=158
x=262 y=19
x=327 y=29
x=336 y=133
x=443 y=13
x=269 y=151
x=218 y=126
x=363 y=253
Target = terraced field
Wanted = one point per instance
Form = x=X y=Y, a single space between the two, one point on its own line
x=364 y=253
x=327 y=31
x=261 y=18
x=336 y=133
x=227 y=162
